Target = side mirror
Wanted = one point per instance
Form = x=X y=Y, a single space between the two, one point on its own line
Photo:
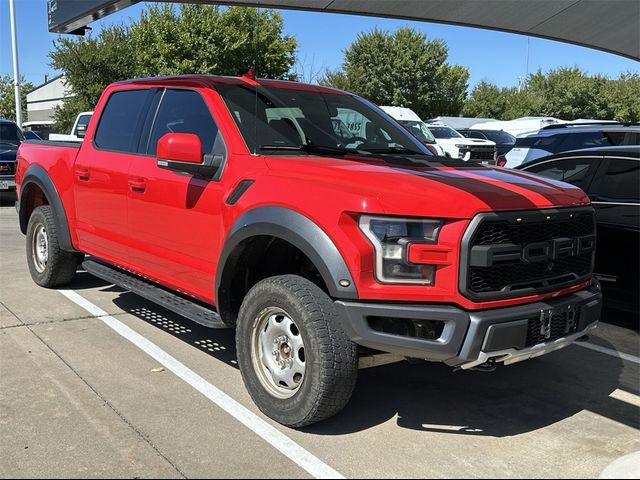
x=182 y=152
x=81 y=130
x=179 y=148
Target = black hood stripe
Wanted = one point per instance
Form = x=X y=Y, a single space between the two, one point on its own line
x=550 y=192
x=492 y=195
x=545 y=189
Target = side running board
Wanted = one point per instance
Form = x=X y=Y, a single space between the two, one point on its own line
x=176 y=303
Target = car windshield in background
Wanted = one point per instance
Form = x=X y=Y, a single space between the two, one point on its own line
x=444 y=132
x=279 y=120
x=420 y=130
x=31 y=135
x=10 y=134
x=500 y=137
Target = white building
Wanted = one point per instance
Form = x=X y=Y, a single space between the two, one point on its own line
x=42 y=101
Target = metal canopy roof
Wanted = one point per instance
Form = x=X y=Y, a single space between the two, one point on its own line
x=609 y=25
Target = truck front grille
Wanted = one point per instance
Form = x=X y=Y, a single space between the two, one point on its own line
x=485 y=154
x=516 y=254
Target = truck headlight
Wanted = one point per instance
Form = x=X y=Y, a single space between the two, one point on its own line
x=391 y=238
x=462 y=150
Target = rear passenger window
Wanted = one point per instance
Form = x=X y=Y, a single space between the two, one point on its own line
x=184 y=111
x=476 y=135
x=624 y=138
x=578 y=141
x=117 y=130
x=572 y=170
x=549 y=144
x=620 y=182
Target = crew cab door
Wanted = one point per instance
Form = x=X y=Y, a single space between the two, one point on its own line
x=175 y=218
x=101 y=175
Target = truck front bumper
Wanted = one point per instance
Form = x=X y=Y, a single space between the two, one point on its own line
x=467 y=339
x=7 y=183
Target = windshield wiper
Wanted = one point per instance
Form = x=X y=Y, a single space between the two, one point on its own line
x=394 y=151
x=308 y=148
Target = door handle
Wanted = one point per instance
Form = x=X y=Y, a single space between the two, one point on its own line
x=138 y=185
x=83 y=174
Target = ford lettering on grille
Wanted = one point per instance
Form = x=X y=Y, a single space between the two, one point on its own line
x=510 y=254
x=489 y=255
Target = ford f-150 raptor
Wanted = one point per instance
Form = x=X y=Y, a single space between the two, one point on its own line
x=237 y=203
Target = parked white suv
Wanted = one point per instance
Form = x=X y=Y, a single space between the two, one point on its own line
x=412 y=122
x=457 y=146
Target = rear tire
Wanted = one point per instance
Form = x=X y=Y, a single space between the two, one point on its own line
x=49 y=265
x=310 y=369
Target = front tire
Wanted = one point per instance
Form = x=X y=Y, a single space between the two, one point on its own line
x=295 y=359
x=49 y=265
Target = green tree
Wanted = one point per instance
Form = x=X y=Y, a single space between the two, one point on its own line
x=7 y=97
x=567 y=93
x=166 y=40
x=522 y=102
x=210 y=39
x=622 y=97
x=402 y=68
x=89 y=64
x=486 y=100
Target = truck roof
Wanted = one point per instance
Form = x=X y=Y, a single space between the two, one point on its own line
x=211 y=81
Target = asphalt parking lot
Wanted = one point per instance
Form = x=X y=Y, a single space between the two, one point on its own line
x=78 y=399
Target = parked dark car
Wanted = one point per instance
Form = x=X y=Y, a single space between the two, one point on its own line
x=31 y=135
x=611 y=178
x=10 y=139
x=504 y=140
x=568 y=137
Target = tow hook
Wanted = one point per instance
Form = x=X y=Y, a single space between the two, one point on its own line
x=487 y=367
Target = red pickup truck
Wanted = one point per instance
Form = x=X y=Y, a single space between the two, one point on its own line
x=245 y=203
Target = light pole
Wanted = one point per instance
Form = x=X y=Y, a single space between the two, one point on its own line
x=16 y=72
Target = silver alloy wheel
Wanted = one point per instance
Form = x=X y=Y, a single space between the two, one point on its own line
x=278 y=353
x=40 y=248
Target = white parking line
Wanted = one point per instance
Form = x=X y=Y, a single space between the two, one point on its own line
x=626 y=397
x=314 y=466
x=608 y=351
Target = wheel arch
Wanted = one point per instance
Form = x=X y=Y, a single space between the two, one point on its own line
x=36 y=181
x=293 y=228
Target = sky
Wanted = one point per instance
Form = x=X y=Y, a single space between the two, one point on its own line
x=494 y=56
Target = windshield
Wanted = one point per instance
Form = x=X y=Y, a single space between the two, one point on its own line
x=420 y=130
x=500 y=137
x=281 y=119
x=10 y=134
x=444 y=132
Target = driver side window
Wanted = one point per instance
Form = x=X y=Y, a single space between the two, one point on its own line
x=184 y=111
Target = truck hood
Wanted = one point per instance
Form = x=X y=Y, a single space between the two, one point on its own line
x=466 y=141
x=8 y=154
x=420 y=187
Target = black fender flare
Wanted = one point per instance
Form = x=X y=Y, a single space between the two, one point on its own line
x=299 y=231
x=36 y=175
